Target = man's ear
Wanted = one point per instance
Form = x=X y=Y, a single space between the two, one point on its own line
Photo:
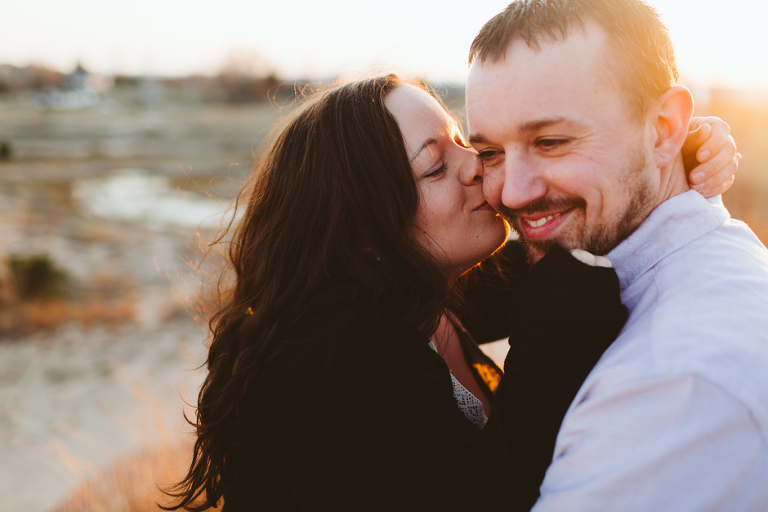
x=675 y=109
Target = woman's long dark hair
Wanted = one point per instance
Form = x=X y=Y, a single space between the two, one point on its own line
x=328 y=220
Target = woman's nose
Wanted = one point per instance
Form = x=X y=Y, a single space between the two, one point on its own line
x=471 y=169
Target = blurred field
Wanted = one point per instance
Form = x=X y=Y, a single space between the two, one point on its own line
x=116 y=194
x=747 y=114
x=114 y=199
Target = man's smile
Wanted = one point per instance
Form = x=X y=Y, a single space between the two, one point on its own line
x=542 y=225
x=541 y=221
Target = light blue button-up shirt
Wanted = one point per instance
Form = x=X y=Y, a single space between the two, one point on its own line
x=674 y=417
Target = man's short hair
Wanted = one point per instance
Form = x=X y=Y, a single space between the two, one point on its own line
x=641 y=45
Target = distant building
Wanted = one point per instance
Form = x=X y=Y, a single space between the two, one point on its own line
x=78 y=78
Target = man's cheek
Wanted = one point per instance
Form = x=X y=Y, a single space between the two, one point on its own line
x=493 y=183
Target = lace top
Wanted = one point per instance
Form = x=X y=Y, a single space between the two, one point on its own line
x=469 y=404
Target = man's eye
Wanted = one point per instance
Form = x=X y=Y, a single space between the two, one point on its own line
x=487 y=155
x=551 y=143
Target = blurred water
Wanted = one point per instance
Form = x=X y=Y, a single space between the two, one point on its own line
x=139 y=196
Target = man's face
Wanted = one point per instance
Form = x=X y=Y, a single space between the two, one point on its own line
x=565 y=158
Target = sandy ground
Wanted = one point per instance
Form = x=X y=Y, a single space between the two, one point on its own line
x=74 y=400
x=112 y=192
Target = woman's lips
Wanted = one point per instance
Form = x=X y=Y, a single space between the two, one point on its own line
x=485 y=207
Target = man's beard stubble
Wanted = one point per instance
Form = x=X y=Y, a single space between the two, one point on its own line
x=598 y=239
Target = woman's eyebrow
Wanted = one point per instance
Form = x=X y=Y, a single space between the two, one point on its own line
x=426 y=144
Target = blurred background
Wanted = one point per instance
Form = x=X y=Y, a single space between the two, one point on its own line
x=126 y=130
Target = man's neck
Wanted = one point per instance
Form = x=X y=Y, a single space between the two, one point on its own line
x=673 y=181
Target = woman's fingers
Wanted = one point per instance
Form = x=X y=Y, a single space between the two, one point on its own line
x=698 y=133
x=719 y=137
x=725 y=151
x=718 y=181
x=590 y=259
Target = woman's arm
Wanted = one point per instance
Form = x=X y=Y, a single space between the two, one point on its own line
x=485 y=294
x=565 y=315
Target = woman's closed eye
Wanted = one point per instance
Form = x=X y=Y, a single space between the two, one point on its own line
x=436 y=171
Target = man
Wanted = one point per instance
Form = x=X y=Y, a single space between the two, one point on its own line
x=574 y=110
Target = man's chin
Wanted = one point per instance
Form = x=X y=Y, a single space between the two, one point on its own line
x=536 y=249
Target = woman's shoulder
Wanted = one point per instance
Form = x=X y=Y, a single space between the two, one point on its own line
x=356 y=403
x=342 y=327
x=338 y=346
x=345 y=377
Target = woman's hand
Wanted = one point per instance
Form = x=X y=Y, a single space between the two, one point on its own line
x=710 y=156
x=590 y=259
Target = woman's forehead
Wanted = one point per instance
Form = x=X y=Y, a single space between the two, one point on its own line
x=419 y=115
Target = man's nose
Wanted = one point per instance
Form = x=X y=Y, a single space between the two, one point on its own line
x=523 y=183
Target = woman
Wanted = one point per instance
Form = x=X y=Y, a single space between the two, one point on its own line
x=323 y=391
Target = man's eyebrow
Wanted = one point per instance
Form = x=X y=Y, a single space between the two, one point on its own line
x=534 y=126
x=525 y=128
x=476 y=139
x=426 y=144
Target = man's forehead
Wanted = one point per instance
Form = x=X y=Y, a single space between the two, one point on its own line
x=582 y=56
x=589 y=41
x=534 y=39
x=509 y=106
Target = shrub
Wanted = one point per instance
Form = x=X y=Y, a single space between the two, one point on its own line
x=36 y=277
x=5 y=149
x=32 y=298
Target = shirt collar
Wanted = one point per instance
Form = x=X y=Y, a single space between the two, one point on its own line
x=673 y=224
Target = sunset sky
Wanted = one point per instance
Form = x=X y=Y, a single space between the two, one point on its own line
x=717 y=43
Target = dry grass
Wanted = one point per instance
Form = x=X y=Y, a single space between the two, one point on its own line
x=746 y=201
x=103 y=299
x=24 y=318
x=133 y=484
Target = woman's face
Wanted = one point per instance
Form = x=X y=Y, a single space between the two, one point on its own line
x=454 y=222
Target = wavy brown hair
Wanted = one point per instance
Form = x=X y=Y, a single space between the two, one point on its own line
x=327 y=221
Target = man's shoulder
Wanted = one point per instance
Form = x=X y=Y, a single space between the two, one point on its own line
x=727 y=267
x=712 y=290
x=702 y=313
x=732 y=240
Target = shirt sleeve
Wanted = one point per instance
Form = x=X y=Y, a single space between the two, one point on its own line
x=641 y=445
